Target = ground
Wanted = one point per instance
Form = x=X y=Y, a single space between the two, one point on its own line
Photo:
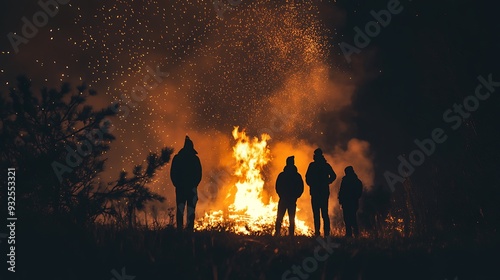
x=105 y=253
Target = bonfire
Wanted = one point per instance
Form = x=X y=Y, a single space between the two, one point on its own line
x=247 y=212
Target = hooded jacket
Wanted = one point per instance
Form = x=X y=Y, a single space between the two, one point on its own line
x=319 y=176
x=289 y=184
x=185 y=171
x=351 y=189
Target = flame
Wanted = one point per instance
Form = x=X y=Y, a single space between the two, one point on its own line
x=247 y=213
x=395 y=224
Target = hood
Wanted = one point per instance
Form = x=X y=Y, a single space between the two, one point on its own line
x=290 y=168
x=188 y=146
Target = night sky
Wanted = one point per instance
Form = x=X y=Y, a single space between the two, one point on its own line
x=407 y=92
x=271 y=66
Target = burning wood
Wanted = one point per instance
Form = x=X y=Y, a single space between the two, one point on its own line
x=247 y=213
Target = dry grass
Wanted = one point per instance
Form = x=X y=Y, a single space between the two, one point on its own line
x=217 y=254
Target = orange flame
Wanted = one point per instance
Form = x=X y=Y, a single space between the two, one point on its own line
x=248 y=213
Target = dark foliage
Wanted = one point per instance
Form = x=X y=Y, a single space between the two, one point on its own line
x=58 y=142
x=169 y=254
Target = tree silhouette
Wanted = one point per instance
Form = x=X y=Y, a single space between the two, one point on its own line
x=57 y=142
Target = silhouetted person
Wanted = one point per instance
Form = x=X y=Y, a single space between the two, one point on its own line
x=186 y=175
x=289 y=187
x=319 y=176
x=349 y=194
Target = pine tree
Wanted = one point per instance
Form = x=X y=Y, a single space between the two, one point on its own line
x=58 y=142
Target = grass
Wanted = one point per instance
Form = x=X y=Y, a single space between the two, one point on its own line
x=52 y=252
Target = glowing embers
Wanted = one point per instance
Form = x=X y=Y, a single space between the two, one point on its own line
x=247 y=213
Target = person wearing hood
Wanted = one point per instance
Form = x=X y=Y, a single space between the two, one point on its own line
x=289 y=186
x=185 y=174
x=350 y=191
x=319 y=176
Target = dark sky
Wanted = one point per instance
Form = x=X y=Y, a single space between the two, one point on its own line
x=232 y=71
x=430 y=57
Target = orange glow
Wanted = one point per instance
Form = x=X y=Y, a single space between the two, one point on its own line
x=246 y=212
x=395 y=224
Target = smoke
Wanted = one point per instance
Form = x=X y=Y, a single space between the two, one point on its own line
x=266 y=67
x=266 y=70
x=357 y=154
